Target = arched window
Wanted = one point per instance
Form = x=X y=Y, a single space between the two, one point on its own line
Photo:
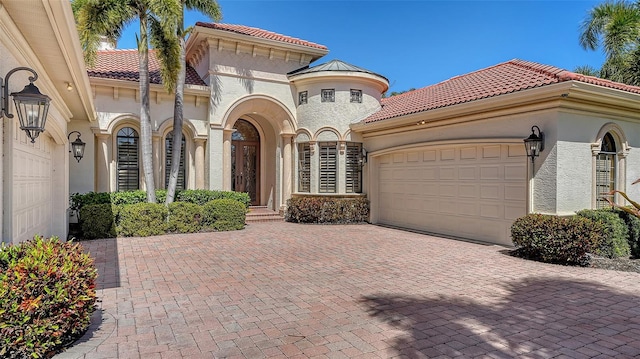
x=606 y=171
x=168 y=150
x=128 y=177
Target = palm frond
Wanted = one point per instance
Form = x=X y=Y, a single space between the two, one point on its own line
x=166 y=43
x=207 y=7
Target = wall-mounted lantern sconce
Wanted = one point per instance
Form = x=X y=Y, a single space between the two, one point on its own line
x=534 y=144
x=31 y=105
x=363 y=156
x=77 y=146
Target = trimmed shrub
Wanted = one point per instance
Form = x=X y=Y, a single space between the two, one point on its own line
x=201 y=196
x=142 y=220
x=80 y=200
x=224 y=215
x=556 y=240
x=633 y=224
x=128 y=197
x=105 y=215
x=615 y=232
x=47 y=296
x=184 y=217
x=321 y=209
x=98 y=221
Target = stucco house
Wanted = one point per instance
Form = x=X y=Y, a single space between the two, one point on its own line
x=265 y=115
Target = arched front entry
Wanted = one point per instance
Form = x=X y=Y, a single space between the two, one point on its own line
x=245 y=160
x=258 y=131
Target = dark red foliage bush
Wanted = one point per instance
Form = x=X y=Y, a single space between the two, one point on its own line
x=324 y=209
x=47 y=296
x=556 y=239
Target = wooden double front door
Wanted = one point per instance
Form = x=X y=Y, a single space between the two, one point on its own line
x=245 y=160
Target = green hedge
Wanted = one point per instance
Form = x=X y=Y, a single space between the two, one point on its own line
x=197 y=196
x=324 y=209
x=554 y=239
x=148 y=219
x=185 y=217
x=224 y=215
x=615 y=232
x=47 y=296
x=633 y=224
x=142 y=220
x=98 y=221
x=201 y=196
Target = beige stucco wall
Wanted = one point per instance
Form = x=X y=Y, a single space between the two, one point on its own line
x=562 y=176
x=118 y=106
x=337 y=115
x=35 y=175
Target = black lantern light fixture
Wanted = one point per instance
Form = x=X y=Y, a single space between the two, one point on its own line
x=31 y=105
x=77 y=146
x=534 y=144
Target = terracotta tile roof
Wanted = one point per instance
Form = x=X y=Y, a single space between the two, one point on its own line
x=263 y=34
x=123 y=65
x=511 y=76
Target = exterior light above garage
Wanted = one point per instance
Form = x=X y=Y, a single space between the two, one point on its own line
x=31 y=105
x=534 y=144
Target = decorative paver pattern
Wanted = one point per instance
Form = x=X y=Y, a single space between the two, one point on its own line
x=282 y=290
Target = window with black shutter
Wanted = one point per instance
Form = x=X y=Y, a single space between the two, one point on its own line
x=168 y=145
x=128 y=177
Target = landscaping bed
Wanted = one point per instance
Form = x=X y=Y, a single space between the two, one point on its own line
x=619 y=264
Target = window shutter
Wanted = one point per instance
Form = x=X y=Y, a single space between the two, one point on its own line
x=353 y=177
x=304 y=167
x=181 y=184
x=605 y=178
x=328 y=167
x=127 y=165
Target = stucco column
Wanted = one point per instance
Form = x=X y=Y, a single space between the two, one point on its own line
x=200 y=163
x=158 y=170
x=226 y=160
x=103 y=161
x=286 y=169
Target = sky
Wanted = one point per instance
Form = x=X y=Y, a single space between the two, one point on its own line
x=419 y=43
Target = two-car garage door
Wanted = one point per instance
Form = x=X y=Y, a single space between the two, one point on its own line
x=472 y=191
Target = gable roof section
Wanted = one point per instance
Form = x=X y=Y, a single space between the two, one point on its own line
x=259 y=33
x=123 y=65
x=507 y=77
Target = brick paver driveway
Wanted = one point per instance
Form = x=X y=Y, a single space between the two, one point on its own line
x=281 y=290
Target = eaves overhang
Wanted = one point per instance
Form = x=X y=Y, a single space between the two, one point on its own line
x=512 y=103
x=574 y=95
x=328 y=76
x=135 y=85
x=201 y=33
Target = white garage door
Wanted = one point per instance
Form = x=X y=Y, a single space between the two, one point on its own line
x=32 y=186
x=471 y=191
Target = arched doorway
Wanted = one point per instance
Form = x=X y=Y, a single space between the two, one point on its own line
x=245 y=160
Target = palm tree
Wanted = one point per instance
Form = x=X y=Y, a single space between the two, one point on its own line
x=158 y=18
x=212 y=10
x=614 y=26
